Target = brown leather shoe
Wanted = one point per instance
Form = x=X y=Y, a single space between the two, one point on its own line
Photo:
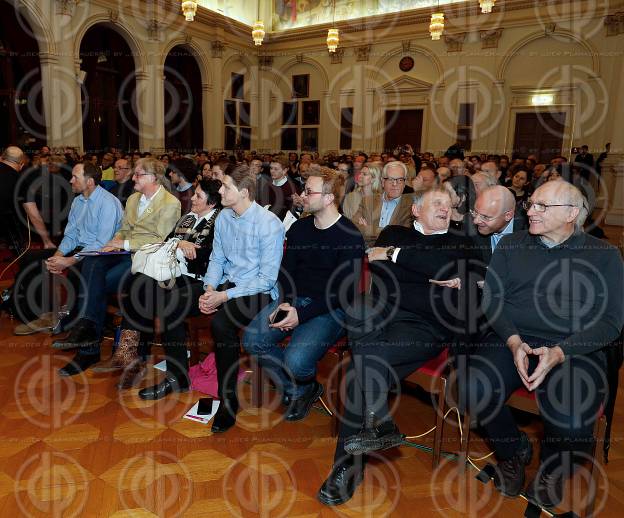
x=132 y=376
x=125 y=354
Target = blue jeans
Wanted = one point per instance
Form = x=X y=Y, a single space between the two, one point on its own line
x=103 y=276
x=292 y=368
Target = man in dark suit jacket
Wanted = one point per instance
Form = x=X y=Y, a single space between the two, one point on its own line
x=495 y=215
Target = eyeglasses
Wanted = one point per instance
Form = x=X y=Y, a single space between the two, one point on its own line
x=541 y=207
x=308 y=192
x=394 y=181
x=474 y=214
x=143 y=174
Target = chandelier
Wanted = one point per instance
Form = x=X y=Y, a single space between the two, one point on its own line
x=257 y=32
x=436 y=27
x=189 y=8
x=486 y=5
x=333 y=39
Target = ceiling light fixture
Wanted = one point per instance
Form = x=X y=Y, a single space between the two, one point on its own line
x=189 y=8
x=257 y=30
x=486 y=5
x=333 y=35
x=436 y=27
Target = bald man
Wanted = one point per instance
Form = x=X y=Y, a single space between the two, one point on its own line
x=553 y=298
x=11 y=163
x=494 y=215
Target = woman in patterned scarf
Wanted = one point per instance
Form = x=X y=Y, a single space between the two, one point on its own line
x=146 y=300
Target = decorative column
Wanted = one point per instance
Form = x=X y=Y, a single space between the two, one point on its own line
x=613 y=178
x=150 y=102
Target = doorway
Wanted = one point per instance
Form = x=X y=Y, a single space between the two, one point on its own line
x=539 y=134
x=403 y=127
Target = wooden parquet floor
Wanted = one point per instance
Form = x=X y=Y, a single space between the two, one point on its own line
x=79 y=448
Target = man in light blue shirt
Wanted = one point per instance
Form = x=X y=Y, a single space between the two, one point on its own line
x=94 y=217
x=241 y=279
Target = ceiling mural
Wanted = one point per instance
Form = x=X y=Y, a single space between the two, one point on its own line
x=235 y=9
x=288 y=14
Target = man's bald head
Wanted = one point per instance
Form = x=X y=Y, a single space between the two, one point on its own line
x=494 y=209
x=13 y=157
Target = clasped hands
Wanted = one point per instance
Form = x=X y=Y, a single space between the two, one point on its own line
x=210 y=301
x=549 y=357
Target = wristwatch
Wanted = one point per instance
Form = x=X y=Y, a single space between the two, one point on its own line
x=390 y=252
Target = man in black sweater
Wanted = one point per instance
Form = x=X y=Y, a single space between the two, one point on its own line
x=320 y=273
x=413 y=314
x=553 y=296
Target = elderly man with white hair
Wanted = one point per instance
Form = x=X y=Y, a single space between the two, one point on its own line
x=553 y=298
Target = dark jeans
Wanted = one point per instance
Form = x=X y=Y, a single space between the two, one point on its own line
x=145 y=300
x=293 y=368
x=231 y=317
x=385 y=348
x=102 y=276
x=569 y=399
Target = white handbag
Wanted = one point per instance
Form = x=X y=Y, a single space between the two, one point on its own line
x=158 y=261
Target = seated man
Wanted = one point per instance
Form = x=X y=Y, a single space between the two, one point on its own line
x=407 y=323
x=322 y=253
x=241 y=279
x=553 y=299
x=391 y=208
x=495 y=216
x=150 y=214
x=94 y=217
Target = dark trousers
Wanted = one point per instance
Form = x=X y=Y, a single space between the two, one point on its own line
x=385 y=348
x=102 y=276
x=145 y=300
x=569 y=399
x=231 y=317
x=37 y=291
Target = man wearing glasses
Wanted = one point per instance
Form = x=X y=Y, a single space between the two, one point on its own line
x=495 y=216
x=553 y=299
x=150 y=214
x=320 y=272
x=123 y=186
x=391 y=208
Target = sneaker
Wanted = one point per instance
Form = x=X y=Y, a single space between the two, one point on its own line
x=509 y=475
x=546 y=490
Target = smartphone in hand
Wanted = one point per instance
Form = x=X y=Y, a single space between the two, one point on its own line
x=279 y=316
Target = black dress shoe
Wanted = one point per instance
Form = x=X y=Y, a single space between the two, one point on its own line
x=300 y=407
x=225 y=417
x=82 y=334
x=164 y=388
x=546 y=490
x=81 y=362
x=374 y=437
x=342 y=482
